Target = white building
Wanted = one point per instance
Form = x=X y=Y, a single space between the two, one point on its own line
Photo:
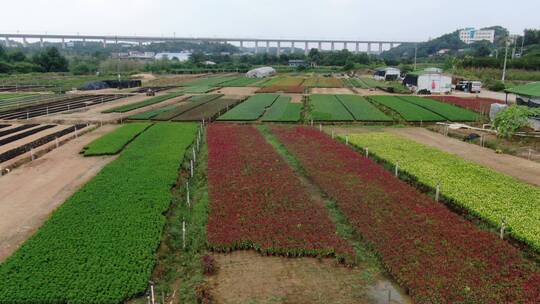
x=429 y=80
x=387 y=73
x=470 y=35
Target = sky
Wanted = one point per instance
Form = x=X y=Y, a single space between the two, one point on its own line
x=411 y=20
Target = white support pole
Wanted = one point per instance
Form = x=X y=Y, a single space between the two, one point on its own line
x=56 y=142
x=32 y=153
x=191 y=167
x=437 y=191
x=396 y=171
x=503 y=227
x=184 y=235
x=367 y=152
x=152 y=295
x=187 y=195
x=347 y=139
x=333 y=135
x=194 y=155
x=320 y=127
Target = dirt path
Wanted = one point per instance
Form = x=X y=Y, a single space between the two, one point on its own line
x=248 y=277
x=519 y=168
x=30 y=193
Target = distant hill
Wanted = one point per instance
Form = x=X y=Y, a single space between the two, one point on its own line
x=449 y=41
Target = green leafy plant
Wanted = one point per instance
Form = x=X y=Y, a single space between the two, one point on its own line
x=511 y=120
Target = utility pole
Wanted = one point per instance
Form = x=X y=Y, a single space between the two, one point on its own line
x=505 y=60
x=522 y=43
x=415 y=54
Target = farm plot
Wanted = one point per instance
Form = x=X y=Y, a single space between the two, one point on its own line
x=355 y=82
x=9 y=139
x=479 y=105
x=285 y=81
x=485 y=193
x=98 y=247
x=67 y=103
x=205 y=97
x=361 y=109
x=251 y=109
x=448 y=111
x=242 y=82
x=208 y=82
x=435 y=254
x=328 y=108
x=317 y=81
x=183 y=108
x=257 y=202
x=22 y=145
x=283 y=111
x=144 y=103
x=409 y=111
x=209 y=110
x=155 y=89
x=114 y=142
x=197 y=90
x=149 y=114
x=282 y=89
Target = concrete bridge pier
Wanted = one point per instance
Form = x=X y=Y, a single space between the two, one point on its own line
x=306 y=49
x=256 y=46
x=278 y=48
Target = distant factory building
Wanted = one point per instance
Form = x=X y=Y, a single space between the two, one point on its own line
x=387 y=73
x=470 y=35
x=297 y=62
x=431 y=81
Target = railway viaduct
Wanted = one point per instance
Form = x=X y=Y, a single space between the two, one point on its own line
x=260 y=45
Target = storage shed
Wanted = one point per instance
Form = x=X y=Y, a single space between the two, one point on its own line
x=261 y=72
x=387 y=73
x=430 y=81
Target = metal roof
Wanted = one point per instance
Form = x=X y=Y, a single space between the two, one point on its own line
x=529 y=90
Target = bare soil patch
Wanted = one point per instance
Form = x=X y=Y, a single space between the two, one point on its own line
x=331 y=91
x=295 y=98
x=29 y=194
x=248 y=277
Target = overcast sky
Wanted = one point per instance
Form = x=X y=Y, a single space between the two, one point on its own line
x=411 y=20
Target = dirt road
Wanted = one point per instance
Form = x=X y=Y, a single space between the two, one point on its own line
x=519 y=168
x=30 y=193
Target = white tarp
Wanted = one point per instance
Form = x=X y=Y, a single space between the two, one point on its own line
x=261 y=72
x=496 y=108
